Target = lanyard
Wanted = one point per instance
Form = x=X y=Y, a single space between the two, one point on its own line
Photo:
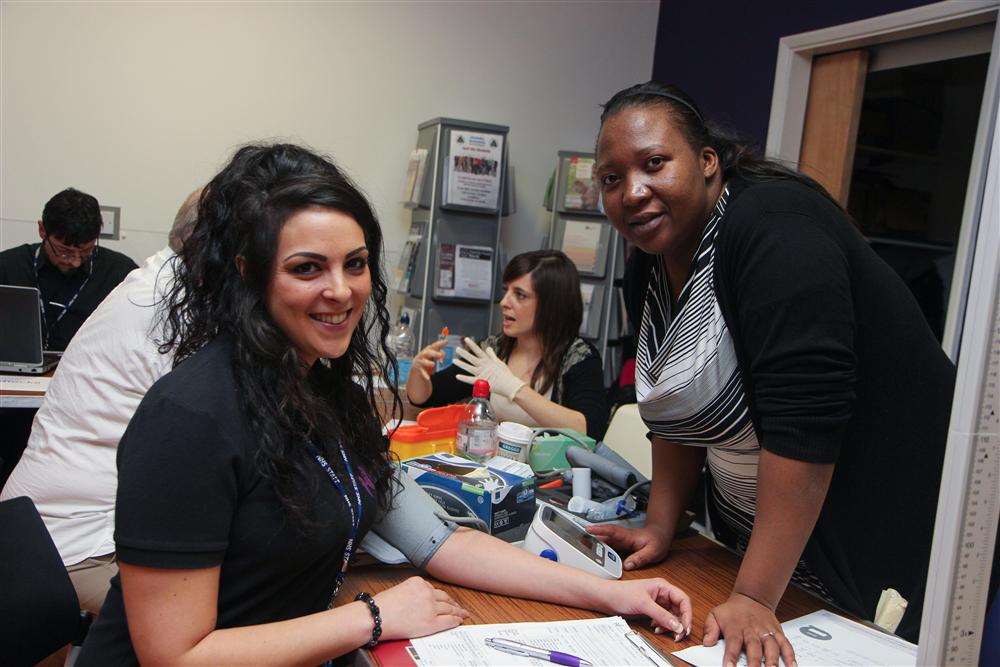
x=355 y=511
x=69 y=304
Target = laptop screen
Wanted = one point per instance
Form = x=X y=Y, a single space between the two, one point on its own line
x=20 y=326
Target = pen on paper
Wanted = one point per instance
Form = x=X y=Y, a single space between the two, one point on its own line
x=517 y=648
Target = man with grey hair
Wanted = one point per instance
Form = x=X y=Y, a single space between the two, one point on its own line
x=68 y=467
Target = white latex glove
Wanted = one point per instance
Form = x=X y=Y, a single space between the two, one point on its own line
x=487 y=366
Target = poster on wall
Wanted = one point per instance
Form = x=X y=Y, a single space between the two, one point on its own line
x=474 y=169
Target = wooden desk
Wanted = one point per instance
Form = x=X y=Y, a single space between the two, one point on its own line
x=701 y=567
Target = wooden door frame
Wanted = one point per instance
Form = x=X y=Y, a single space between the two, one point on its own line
x=791 y=92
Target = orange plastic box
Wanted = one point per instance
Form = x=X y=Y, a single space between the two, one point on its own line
x=434 y=432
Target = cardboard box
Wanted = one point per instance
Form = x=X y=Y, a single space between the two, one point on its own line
x=505 y=501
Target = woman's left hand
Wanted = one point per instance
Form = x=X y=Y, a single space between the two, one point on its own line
x=485 y=365
x=748 y=625
x=668 y=606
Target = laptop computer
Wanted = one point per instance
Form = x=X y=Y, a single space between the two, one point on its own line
x=21 y=332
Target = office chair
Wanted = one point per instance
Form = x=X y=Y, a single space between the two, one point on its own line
x=627 y=436
x=39 y=607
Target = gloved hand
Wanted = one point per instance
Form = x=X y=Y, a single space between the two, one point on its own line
x=487 y=366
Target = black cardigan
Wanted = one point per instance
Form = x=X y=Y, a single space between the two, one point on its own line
x=581 y=388
x=840 y=367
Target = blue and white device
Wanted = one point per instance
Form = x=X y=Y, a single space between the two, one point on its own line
x=555 y=536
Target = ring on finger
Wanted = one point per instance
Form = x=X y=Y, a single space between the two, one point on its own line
x=764 y=635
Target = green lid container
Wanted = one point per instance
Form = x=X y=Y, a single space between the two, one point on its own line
x=548 y=449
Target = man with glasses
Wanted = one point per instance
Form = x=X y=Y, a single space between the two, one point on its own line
x=72 y=273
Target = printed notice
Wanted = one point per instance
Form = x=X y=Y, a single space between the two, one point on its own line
x=823 y=639
x=581 y=189
x=474 y=169
x=582 y=243
x=446 y=270
x=604 y=642
x=473 y=272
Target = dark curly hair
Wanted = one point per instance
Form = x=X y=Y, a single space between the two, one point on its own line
x=241 y=213
x=737 y=156
x=558 y=313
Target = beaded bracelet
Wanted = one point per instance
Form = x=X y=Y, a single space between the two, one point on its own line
x=373 y=608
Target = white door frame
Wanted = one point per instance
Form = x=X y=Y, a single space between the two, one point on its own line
x=791 y=91
x=982 y=204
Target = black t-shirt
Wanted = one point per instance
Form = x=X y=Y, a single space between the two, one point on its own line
x=840 y=367
x=190 y=496
x=97 y=277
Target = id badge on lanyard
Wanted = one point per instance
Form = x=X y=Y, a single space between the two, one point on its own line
x=354 y=508
x=69 y=303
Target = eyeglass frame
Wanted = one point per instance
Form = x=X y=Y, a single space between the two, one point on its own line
x=70 y=251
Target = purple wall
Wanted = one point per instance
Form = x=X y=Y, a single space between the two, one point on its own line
x=723 y=53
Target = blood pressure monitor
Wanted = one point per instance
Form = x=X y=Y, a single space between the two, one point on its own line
x=555 y=536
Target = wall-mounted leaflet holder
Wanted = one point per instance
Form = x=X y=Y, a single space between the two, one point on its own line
x=580 y=229
x=463 y=272
x=586 y=243
x=473 y=170
x=455 y=209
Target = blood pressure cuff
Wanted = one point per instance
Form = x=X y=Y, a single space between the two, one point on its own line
x=412 y=525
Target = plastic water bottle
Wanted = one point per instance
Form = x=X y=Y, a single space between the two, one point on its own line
x=401 y=342
x=477 y=432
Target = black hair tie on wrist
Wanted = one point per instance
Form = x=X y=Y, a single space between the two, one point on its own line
x=373 y=608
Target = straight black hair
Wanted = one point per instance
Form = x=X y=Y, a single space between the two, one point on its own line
x=73 y=217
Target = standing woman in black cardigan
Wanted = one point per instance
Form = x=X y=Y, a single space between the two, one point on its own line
x=780 y=353
x=540 y=371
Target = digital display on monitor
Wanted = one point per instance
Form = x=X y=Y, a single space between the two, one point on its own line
x=574 y=534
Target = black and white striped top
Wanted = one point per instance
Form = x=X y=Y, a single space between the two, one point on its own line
x=690 y=392
x=688 y=381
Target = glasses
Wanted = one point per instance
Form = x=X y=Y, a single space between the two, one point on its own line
x=70 y=252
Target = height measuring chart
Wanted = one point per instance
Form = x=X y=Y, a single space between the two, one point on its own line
x=965 y=528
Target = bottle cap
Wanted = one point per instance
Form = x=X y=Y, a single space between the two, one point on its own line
x=404 y=319
x=481 y=389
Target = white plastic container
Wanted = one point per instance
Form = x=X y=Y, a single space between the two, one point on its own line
x=581 y=483
x=514 y=441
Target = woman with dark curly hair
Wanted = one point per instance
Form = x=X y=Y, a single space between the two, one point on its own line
x=540 y=371
x=250 y=472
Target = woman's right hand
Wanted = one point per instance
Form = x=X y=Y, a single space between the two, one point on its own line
x=414 y=608
x=648 y=545
x=426 y=360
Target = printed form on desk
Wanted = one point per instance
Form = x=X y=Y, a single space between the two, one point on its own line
x=602 y=641
x=823 y=639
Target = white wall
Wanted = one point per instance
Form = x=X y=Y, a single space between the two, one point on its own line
x=139 y=103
